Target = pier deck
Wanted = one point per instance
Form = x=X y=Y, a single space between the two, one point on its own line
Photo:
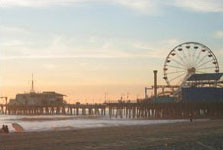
x=124 y=110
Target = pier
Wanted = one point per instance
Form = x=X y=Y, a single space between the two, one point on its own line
x=138 y=110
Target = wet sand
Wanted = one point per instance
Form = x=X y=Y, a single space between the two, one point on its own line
x=195 y=135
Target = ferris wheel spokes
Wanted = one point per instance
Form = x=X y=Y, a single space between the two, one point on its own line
x=187 y=59
x=203 y=64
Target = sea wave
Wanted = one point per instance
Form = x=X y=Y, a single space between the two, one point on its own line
x=58 y=122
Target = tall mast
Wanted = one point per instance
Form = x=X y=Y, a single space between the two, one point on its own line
x=32 y=88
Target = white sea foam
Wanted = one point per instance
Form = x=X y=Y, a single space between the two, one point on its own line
x=51 y=123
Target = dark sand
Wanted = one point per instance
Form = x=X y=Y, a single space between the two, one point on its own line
x=182 y=136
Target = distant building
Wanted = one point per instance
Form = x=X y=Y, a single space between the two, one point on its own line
x=38 y=99
x=206 y=87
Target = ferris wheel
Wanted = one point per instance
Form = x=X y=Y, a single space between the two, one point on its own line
x=187 y=59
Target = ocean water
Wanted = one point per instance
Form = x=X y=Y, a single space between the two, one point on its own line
x=60 y=122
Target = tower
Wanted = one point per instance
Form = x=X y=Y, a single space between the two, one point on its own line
x=155 y=83
x=32 y=86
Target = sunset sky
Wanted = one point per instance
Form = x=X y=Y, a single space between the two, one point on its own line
x=84 y=48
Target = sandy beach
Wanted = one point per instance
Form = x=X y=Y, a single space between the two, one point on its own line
x=185 y=135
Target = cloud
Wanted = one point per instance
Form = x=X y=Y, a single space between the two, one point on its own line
x=59 y=46
x=154 y=50
x=92 y=46
x=142 y=6
x=12 y=43
x=14 y=30
x=114 y=55
x=172 y=42
x=201 y=5
x=219 y=34
x=36 y=3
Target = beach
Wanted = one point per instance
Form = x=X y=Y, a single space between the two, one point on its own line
x=206 y=134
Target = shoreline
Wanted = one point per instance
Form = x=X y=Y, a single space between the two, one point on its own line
x=198 y=134
x=70 y=129
x=41 y=123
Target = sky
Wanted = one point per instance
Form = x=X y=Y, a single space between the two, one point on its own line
x=86 y=48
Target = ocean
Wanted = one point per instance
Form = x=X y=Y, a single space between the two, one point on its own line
x=61 y=122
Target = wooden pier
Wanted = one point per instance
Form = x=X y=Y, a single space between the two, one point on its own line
x=124 y=110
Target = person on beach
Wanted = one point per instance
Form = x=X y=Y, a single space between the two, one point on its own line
x=5 y=129
x=2 y=130
x=190 y=117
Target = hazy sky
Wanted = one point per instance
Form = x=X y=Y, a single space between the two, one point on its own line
x=84 y=48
